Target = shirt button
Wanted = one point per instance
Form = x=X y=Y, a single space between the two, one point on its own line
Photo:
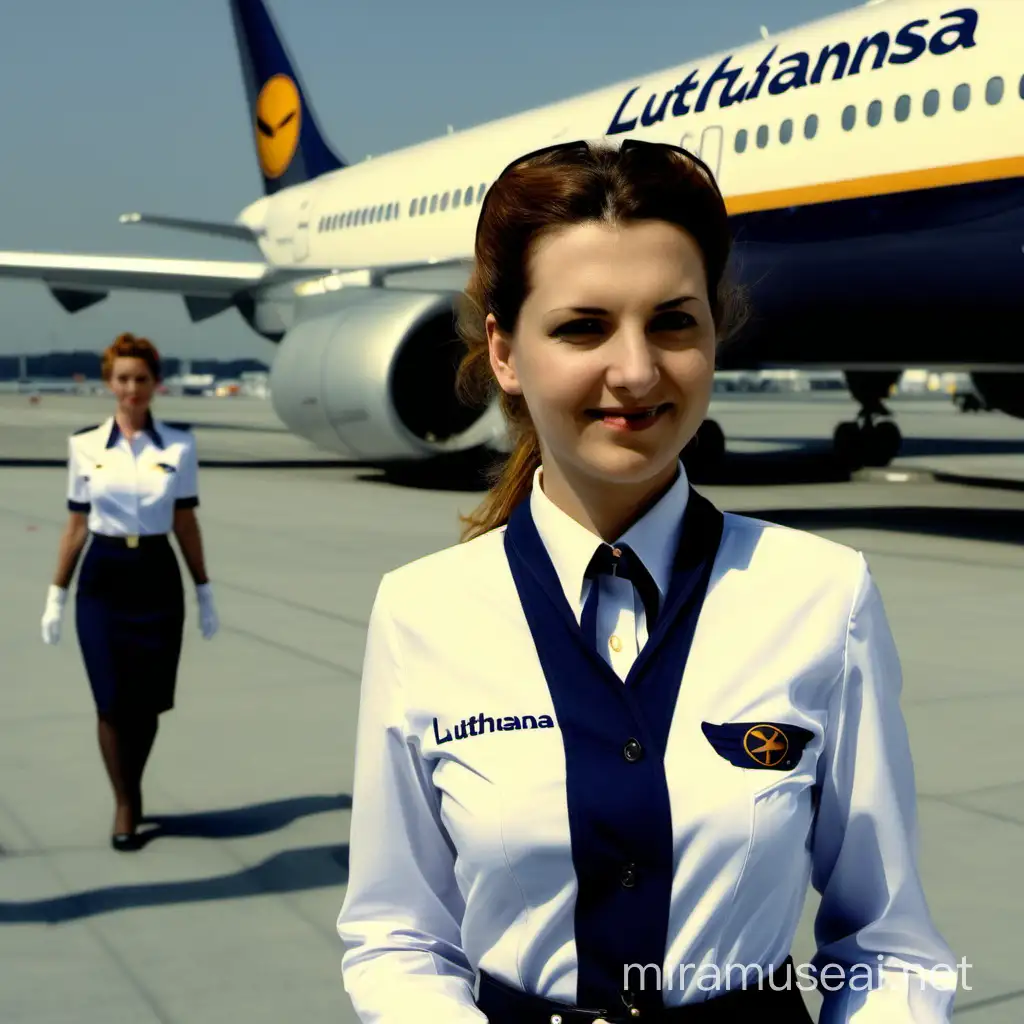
x=615 y=643
x=628 y=876
x=632 y=751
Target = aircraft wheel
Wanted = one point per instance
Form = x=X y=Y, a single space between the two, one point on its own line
x=848 y=445
x=882 y=442
x=705 y=452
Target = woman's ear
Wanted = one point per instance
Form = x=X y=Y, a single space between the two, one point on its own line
x=499 y=348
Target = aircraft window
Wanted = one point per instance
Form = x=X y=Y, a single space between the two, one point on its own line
x=994 y=91
x=456 y=198
x=874 y=113
x=387 y=212
x=412 y=208
x=849 y=117
x=469 y=196
x=364 y=216
x=762 y=136
x=353 y=216
x=373 y=214
x=423 y=205
x=433 y=203
x=480 y=191
x=786 y=132
x=444 y=201
x=398 y=210
x=902 y=110
x=741 y=140
x=811 y=126
x=1020 y=88
x=931 y=102
x=962 y=97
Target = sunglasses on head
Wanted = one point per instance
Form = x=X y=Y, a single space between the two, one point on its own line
x=639 y=147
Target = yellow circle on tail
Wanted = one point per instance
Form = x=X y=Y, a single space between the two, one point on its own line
x=278 y=119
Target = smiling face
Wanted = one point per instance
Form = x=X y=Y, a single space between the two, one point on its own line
x=278 y=116
x=614 y=354
x=132 y=384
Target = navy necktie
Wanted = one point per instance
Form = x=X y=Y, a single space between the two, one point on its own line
x=620 y=561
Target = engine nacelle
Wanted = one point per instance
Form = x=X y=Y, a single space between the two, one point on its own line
x=375 y=380
x=1002 y=391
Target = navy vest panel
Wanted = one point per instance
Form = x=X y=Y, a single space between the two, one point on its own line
x=614 y=734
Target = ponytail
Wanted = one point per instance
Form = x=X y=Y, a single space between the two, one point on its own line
x=511 y=485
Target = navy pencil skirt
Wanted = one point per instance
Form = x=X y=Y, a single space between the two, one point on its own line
x=130 y=615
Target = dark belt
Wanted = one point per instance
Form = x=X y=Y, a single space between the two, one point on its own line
x=502 y=1004
x=131 y=540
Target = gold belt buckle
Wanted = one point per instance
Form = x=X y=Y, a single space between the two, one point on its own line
x=132 y=540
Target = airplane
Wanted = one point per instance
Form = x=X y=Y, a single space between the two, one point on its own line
x=872 y=164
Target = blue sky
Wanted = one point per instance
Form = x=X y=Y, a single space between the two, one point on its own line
x=118 y=105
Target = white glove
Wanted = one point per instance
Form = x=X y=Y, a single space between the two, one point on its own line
x=208 y=621
x=56 y=597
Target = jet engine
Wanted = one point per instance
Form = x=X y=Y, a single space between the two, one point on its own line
x=1002 y=391
x=375 y=380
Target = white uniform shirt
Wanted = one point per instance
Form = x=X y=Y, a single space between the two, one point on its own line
x=132 y=487
x=460 y=851
x=621 y=619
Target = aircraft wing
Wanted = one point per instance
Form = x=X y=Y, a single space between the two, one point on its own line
x=100 y=274
x=78 y=281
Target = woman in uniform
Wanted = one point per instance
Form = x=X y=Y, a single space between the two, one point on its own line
x=606 y=743
x=131 y=481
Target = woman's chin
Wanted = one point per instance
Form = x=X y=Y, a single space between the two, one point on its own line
x=629 y=463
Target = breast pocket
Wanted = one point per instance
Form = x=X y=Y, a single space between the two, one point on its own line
x=778 y=764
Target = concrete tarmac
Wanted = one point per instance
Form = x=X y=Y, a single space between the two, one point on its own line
x=228 y=912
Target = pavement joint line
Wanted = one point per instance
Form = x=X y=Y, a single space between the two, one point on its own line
x=297 y=605
x=91 y=925
x=982 y=811
x=334 y=666
x=975 y=792
x=982 y=1004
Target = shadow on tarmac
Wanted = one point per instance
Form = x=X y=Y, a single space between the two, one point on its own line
x=315 y=867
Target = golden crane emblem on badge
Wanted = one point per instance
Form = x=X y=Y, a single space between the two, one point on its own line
x=278 y=120
x=766 y=745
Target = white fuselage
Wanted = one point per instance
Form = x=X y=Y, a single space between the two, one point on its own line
x=877 y=129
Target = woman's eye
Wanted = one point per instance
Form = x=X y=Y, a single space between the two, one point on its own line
x=674 y=320
x=579 y=328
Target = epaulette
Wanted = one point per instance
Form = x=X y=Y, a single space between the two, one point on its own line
x=178 y=426
x=85 y=430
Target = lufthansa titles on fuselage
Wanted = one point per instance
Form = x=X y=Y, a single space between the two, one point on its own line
x=480 y=724
x=955 y=30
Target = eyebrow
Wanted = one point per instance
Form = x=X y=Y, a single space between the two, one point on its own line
x=661 y=307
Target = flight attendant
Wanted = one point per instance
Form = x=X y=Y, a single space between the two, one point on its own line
x=607 y=742
x=132 y=481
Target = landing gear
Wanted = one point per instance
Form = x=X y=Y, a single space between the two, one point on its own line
x=705 y=453
x=867 y=442
x=873 y=439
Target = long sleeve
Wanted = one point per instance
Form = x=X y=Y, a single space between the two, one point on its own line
x=873 y=912
x=402 y=912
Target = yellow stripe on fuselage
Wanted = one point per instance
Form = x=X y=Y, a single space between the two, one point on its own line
x=877 y=185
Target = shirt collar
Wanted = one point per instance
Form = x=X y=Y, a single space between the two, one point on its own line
x=654 y=537
x=148 y=427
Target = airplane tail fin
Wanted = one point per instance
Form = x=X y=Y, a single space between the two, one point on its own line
x=289 y=146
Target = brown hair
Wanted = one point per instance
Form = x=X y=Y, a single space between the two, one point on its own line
x=553 y=189
x=128 y=346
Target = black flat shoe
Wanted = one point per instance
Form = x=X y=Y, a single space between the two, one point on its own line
x=124 y=842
